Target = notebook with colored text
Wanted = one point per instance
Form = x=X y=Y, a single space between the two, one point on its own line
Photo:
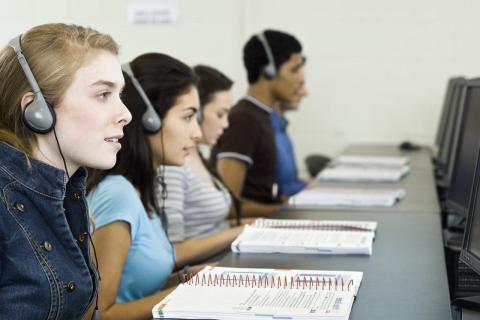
x=250 y=293
x=306 y=237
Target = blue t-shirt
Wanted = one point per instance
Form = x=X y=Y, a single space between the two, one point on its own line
x=288 y=181
x=151 y=257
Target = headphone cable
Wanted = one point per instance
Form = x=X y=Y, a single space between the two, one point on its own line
x=164 y=193
x=61 y=153
x=96 y=312
x=164 y=196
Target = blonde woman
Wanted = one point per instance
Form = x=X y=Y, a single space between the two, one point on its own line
x=60 y=110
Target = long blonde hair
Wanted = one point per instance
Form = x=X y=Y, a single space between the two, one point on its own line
x=54 y=52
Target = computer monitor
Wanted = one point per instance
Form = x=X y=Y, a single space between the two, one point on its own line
x=470 y=253
x=446 y=116
x=449 y=144
x=468 y=144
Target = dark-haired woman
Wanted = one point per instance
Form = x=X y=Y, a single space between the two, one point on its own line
x=135 y=257
x=198 y=203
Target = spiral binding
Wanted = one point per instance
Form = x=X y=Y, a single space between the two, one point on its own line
x=301 y=225
x=252 y=281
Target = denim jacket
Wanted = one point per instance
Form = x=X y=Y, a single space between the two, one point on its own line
x=45 y=267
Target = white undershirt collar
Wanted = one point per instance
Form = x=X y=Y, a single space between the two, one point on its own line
x=259 y=104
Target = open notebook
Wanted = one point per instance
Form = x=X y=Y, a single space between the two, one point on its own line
x=249 y=293
x=388 y=161
x=306 y=237
x=348 y=173
x=328 y=196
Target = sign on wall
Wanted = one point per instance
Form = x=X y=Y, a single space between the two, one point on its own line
x=153 y=12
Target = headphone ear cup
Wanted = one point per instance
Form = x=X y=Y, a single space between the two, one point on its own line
x=269 y=71
x=38 y=116
x=151 y=121
x=200 y=116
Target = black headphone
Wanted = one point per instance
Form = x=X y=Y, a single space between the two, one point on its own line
x=270 y=71
x=200 y=115
x=150 y=120
x=38 y=115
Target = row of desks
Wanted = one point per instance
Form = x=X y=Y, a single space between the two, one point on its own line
x=405 y=277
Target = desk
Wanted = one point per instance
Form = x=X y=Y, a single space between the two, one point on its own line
x=405 y=278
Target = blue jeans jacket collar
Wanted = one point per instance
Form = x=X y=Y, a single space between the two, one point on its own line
x=48 y=180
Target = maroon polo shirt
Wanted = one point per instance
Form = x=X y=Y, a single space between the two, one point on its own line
x=250 y=138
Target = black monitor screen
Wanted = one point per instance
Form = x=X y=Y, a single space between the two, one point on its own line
x=447 y=144
x=446 y=111
x=471 y=241
x=466 y=155
x=474 y=244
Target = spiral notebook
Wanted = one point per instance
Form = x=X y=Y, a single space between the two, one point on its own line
x=350 y=197
x=306 y=237
x=249 y=293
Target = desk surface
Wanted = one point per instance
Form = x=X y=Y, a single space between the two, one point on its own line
x=405 y=278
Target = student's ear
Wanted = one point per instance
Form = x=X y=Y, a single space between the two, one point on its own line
x=26 y=99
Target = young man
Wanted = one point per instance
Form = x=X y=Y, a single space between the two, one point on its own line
x=287 y=175
x=245 y=155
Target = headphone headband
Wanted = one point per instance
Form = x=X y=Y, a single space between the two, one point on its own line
x=38 y=116
x=16 y=46
x=270 y=69
x=150 y=120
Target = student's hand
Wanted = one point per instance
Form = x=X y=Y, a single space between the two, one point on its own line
x=311 y=183
x=246 y=221
x=284 y=199
x=190 y=271
x=231 y=222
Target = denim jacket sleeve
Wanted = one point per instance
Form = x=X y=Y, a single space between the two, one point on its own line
x=45 y=267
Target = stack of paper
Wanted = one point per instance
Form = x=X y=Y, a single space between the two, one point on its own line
x=377 y=161
x=241 y=293
x=306 y=237
x=349 y=173
x=325 y=196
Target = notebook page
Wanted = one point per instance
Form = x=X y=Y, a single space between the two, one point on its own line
x=323 y=196
x=239 y=302
x=351 y=173
x=315 y=224
x=373 y=160
x=254 y=239
x=335 y=302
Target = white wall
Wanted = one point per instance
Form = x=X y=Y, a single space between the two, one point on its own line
x=376 y=70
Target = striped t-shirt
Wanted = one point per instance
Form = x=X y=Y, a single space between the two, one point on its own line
x=193 y=207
